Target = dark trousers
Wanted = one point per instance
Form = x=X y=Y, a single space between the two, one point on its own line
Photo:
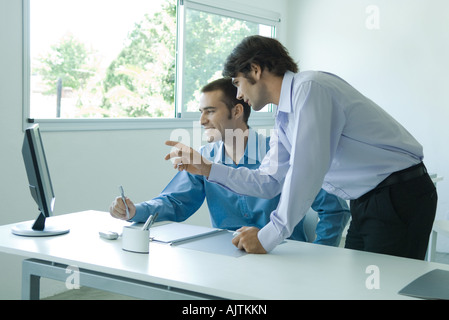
x=396 y=217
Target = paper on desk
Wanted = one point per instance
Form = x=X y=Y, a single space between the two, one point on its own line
x=174 y=233
x=219 y=243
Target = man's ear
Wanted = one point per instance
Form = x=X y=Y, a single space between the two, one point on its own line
x=256 y=71
x=238 y=111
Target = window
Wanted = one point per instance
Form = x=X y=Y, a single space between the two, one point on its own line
x=135 y=63
x=207 y=36
x=102 y=59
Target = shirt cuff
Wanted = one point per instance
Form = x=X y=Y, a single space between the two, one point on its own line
x=141 y=213
x=269 y=237
x=218 y=173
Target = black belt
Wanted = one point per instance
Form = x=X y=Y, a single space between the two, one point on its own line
x=404 y=175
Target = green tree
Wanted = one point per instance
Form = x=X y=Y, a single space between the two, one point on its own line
x=141 y=80
x=209 y=40
x=150 y=51
x=66 y=60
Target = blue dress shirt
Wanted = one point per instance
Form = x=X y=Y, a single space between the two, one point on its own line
x=185 y=194
x=328 y=136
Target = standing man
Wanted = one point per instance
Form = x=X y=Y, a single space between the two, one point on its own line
x=335 y=138
x=225 y=120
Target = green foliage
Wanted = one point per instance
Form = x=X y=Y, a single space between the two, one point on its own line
x=210 y=38
x=142 y=78
x=66 y=60
x=140 y=81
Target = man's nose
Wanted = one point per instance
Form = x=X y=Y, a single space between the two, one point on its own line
x=239 y=95
x=203 y=119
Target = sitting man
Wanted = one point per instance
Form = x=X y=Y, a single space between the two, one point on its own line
x=233 y=143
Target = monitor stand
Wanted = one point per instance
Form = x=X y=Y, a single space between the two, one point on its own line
x=38 y=228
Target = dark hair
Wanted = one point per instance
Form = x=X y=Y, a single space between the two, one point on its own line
x=266 y=52
x=229 y=96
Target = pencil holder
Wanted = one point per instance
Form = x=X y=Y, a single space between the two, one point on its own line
x=135 y=240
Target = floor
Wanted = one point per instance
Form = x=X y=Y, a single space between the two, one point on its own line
x=86 y=293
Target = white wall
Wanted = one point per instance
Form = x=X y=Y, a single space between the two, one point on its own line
x=403 y=65
x=86 y=167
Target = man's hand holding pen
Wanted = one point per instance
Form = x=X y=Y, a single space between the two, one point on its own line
x=118 y=208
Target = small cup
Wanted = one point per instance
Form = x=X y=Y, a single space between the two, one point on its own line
x=136 y=240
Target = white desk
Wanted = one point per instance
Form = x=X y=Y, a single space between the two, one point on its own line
x=294 y=270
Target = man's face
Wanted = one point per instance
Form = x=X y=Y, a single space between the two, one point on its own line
x=251 y=91
x=215 y=116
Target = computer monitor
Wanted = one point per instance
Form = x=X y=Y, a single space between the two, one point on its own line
x=40 y=187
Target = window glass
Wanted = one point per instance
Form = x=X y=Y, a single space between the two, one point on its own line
x=102 y=58
x=209 y=39
x=97 y=59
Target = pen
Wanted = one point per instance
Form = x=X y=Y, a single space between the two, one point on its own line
x=124 y=201
x=150 y=222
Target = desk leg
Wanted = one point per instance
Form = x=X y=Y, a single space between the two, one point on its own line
x=30 y=283
x=432 y=246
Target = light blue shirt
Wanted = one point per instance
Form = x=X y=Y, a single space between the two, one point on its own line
x=328 y=136
x=185 y=194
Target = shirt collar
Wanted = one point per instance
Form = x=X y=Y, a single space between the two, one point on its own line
x=285 y=101
x=252 y=153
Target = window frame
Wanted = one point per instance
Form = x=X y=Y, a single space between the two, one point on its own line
x=180 y=119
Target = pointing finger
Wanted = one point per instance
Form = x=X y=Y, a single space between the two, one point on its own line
x=175 y=144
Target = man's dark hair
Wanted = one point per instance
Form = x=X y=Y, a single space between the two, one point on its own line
x=229 y=96
x=266 y=52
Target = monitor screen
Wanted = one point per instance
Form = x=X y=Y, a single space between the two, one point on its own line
x=37 y=171
x=40 y=185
